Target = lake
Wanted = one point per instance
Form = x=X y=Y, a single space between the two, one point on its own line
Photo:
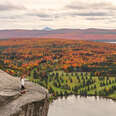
x=111 y=42
x=82 y=106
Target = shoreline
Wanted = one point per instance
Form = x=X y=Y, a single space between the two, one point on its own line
x=52 y=98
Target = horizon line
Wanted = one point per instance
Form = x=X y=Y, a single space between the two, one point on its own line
x=58 y=29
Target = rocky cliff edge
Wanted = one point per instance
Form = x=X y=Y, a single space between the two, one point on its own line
x=12 y=103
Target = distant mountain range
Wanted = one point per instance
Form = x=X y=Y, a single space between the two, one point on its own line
x=47 y=29
x=78 y=34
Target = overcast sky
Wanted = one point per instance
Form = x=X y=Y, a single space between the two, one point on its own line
x=37 y=14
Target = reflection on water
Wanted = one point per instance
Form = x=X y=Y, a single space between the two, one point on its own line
x=111 y=42
x=81 y=106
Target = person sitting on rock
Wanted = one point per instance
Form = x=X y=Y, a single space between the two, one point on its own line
x=22 y=82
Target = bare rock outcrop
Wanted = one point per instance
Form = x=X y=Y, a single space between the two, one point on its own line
x=12 y=103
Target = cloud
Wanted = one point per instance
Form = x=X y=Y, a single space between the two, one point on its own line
x=10 y=7
x=91 y=10
x=86 y=5
x=57 y=13
x=90 y=14
x=46 y=19
x=95 y=18
x=11 y=17
x=41 y=15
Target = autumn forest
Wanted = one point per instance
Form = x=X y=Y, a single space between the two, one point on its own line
x=63 y=66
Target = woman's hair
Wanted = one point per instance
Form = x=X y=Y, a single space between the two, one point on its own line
x=22 y=76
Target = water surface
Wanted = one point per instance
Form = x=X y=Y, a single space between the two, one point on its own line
x=81 y=106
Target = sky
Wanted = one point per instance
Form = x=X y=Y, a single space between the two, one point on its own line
x=37 y=14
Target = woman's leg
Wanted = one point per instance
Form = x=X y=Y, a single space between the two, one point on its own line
x=22 y=87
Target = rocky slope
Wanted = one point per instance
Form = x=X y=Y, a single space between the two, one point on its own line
x=33 y=103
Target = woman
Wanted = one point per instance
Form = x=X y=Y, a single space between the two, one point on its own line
x=22 y=82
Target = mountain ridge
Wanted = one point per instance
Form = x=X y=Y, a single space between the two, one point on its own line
x=78 y=34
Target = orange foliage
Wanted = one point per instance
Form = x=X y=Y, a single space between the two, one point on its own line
x=56 y=53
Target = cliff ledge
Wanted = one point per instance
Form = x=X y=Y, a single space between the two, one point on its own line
x=33 y=103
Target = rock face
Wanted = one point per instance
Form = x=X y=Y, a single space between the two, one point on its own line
x=12 y=103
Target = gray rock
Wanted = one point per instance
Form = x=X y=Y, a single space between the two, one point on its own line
x=12 y=103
